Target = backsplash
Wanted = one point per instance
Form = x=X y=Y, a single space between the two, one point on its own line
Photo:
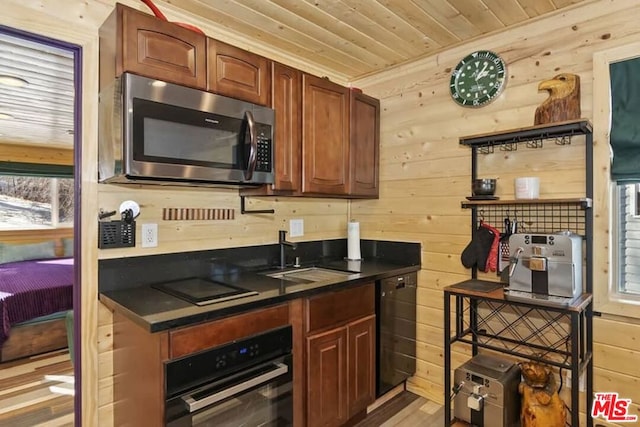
x=130 y=272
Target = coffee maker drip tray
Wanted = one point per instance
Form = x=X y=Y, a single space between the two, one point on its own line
x=539 y=299
x=201 y=291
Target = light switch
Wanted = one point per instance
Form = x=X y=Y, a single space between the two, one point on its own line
x=296 y=227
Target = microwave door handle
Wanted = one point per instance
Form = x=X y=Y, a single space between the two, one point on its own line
x=195 y=405
x=253 y=149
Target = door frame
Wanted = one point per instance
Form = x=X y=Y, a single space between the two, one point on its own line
x=76 y=50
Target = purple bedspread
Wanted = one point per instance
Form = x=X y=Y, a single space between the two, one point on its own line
x=30 y=289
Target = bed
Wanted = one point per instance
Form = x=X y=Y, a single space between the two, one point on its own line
x=35 y=297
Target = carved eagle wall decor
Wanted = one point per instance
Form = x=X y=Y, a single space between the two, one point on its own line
x=563 y=102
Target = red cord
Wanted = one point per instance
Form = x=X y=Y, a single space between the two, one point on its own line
x=155 y=10
x=160 y=15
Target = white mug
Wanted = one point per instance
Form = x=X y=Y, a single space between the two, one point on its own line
x=527 y=187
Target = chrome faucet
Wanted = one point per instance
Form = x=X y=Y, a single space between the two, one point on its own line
x=282 y=236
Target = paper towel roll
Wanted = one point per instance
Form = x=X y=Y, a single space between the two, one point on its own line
x=354 y=265
x=353 y=241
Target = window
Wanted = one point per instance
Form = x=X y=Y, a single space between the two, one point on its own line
x=625 y=173
x=35 y=202
x=615 y=216
x=627 y=239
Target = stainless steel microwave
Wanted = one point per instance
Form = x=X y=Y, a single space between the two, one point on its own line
x=158 y=132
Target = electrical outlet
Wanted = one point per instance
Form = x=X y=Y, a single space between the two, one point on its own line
x=296 y=227
x=149 y=236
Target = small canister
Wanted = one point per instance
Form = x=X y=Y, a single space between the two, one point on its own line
x=527 y=187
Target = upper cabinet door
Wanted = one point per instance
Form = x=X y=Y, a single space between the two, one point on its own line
x=286 y=101
x=365 y=145
x=325 y=136
x=140 y=43
x=237 y=73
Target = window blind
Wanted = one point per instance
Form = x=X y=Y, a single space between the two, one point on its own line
x=625 y=121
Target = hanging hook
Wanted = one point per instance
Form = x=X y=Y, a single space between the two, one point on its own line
x=481 y=215
x=507 y=224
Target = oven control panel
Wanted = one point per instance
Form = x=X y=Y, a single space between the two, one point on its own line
x=234 y=355
x=209 y=365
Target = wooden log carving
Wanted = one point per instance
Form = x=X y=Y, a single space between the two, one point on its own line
x=563 y=102
x=541 y=406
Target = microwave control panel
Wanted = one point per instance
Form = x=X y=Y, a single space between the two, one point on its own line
x=263 y=158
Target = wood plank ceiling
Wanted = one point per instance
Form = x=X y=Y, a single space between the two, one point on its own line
x=348 y=38
x=354 y=38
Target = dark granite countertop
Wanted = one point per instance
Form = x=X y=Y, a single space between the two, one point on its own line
x=157 y=311
x=126 y=285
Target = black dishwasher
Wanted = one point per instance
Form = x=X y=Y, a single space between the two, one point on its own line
x=396 y=331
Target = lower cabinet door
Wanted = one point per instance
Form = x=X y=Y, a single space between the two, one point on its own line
x=327 y=403
x=361 y=339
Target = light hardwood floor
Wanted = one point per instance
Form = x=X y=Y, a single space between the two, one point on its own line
x=25 y=396
x=405 y=410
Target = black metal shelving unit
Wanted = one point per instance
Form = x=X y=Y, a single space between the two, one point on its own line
x=561 y=336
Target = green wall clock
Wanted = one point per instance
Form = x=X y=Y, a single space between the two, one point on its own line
x=478 y=79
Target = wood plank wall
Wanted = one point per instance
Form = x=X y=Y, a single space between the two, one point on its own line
x=425 y=174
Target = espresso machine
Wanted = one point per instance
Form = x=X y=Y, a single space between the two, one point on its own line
x=487 y=392
x=546 y=264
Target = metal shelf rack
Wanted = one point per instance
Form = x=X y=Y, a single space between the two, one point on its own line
x=535 y=216
x=560 y=336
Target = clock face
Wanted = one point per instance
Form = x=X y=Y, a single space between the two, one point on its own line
x=478 y=79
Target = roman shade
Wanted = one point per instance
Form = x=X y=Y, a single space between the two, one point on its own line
x=625 y=121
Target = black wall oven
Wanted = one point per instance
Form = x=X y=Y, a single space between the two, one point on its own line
x=243 y=383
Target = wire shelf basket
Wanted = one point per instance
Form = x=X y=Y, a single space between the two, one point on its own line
x=541 y=218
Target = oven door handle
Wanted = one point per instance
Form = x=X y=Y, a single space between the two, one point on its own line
x=195 y=405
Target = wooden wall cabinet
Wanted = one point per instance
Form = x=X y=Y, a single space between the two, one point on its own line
x=239 y=74
x=325 y=137
x=340 y=355
x=286 y=100
x=142 y=44
x=327 y=140
x=364 y=145
x=286 y=97
x=340 y=140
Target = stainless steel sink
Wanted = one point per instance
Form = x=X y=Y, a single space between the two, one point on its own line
x=309 y=275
